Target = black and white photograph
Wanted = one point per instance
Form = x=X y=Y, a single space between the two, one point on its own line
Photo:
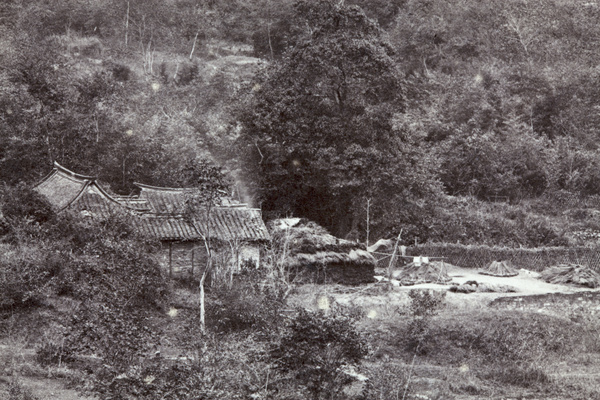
x=299 y=199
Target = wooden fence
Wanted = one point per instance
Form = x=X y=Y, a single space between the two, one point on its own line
x=532 y=259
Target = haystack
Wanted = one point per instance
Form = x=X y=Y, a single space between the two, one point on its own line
x=500 y=268
x=426 y=272
x=574 y=274
x=313 y=255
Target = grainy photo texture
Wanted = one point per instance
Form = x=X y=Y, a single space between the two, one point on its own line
x=299 y=199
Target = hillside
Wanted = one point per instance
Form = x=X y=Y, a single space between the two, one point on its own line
x=491 y=102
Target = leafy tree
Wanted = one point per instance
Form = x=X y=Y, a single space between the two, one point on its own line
x=320 y=132
x=209 y=185
x=315 y=349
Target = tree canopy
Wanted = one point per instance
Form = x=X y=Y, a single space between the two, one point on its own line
x=321 y=128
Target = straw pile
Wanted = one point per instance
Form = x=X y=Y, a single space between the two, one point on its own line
x=313 y=255
x=476 y=287
x=500 y=268
x=574 y=274
x=430 y=272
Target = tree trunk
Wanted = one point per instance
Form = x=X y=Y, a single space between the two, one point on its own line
x=202 y=302
x=127 y=25
x=194 y=46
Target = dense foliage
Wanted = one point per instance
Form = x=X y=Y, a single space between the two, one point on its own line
x=349 y=108
x=321 y=128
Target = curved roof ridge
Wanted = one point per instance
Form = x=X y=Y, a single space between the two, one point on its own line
x=62 y=169
x=46 y=177
x=79 y=194
x=111 y=198
x=170 y=189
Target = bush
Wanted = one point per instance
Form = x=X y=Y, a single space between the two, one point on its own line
x=27 y=276
x=314 y=349
x=21 y=203
x=16 y=391
x=51 y=353
x=502 y=338
x=224 y=367
x=387 y=381
x=241 y=308
x=423 y=305
x=524 y=376
x=121 y=72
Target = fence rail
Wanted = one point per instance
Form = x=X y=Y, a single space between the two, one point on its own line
x=532 y=259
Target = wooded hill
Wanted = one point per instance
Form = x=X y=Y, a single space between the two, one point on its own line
x=452 y=120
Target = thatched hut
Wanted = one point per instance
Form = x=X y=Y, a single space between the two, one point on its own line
x=313 y=255
x=500 y=268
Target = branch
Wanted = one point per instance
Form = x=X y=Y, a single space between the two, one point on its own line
x=259 y=152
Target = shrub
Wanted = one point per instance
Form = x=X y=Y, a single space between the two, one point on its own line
x=423 y=305
x=315 y=348
x=119 y=336
x=27 y=276
x=504 y=338
x=121 y=72
x=387 y=381
x=16 y=391
x=240 y=308
x=524 y=376
x=224 y=367
x=22 y=203
x=51 y=353
x=187 y=74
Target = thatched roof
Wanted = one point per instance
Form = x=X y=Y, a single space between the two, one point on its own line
x=572 y=274
x=500 y=268
x=307 y=237
x=356 y=257
x=310 y=246
x=427 y=272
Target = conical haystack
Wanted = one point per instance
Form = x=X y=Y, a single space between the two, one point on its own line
x=429 y=272
x=572 y=274
x=500 y=268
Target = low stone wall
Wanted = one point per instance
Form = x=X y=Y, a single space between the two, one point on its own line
x=532 y=259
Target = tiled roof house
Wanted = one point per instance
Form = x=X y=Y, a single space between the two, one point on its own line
x=67 y=190
x=228 y=221
x=159 y=212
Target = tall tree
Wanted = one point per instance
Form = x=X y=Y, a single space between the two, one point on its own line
x=321 y=128
x=209 y=184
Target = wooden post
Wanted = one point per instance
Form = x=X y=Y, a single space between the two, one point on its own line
x=192 y=272
x=392 y=259
x=170 y=260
